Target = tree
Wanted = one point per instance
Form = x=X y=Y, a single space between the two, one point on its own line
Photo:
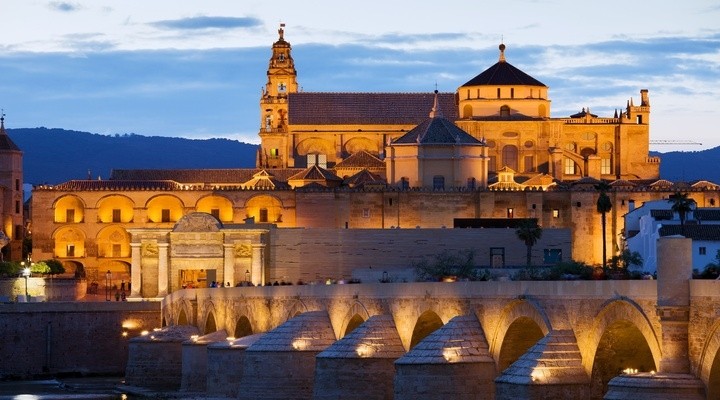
x=529 y=232
x=56 y=267
x=604 y=205
x=460 y=265
x=681 y=204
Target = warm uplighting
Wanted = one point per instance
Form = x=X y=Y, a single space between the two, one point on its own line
x=629 y=371
x=130 y=324
x=144 y=333
x=535 y=375
x=230 y=338
x=156 y=329
x=363 y=350
x=300 y=344
x=124 y=333
x=194 y=338
x=451 y=354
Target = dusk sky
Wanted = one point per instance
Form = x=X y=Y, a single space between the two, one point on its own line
x=194 y=69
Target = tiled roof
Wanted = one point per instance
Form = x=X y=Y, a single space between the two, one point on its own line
x=503 y=73
x=375 y=338
x=307 y=108
x=661 y=214
x=362 y=178
x=199 y=176
x=460 y=340
x=265 y=180
x=622 y=183
x=5 y=142
x=309 y=331
x=437 y=130
x=707 y=214
x=361 y=159
x=78 y=185
x=705 y=232
x=315 y=173
x=583 y=113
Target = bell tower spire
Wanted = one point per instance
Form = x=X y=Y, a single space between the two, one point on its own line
x=282 y=80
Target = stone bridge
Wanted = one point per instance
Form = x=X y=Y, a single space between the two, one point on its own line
x=504 y=340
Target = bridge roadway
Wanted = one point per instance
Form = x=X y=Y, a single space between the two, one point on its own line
x=565 y=339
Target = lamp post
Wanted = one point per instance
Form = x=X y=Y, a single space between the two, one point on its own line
x=26 y=274
x=107 y=285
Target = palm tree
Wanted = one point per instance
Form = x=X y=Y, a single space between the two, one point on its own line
x=529 y=232
x=681 y=204
x=604 y=205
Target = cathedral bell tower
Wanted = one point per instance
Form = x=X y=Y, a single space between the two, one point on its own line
x=282 y=80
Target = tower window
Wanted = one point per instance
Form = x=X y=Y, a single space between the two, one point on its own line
x=263 y=215
x=165 y=215
x=504 y=111
x=17 y=184
x=281 y=87
x=116 y=215
x=70 y=250
x=17 y=207
x=569 y=166
x=510 y=213
x=70 y=215
x=498 y=93
x=512 y=93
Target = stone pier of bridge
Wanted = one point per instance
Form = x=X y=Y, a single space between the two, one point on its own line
x=475 y=340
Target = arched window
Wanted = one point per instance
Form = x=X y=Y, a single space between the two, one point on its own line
x=505 y=111
x=467 y=111
x=510 y=157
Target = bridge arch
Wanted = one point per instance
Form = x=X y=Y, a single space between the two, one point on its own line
x=427 y=323
x=242 y=327
x=183 y=314
x=518 y=315
x=621 y=336
x=709 y=365
x=210 y=325
x=298 y=307
x=356 y=315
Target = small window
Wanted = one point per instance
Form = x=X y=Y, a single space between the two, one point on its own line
x=17 y=233
x=165 y=215
x=263 y=215
x=390 y=201
x=497 y=257
x=17 y=184
x=438 y=182
x=282 y=87
x=281 y=57
x=504 y=111
x=70 y=215
x=712 y=202
x=116 y=250
x=552 y=256
x=274 y=152
x=498 y=93
x=703 y=250
x=512 y=93
x=70 y=250
x=366 y=213
x=116 y=215
x=17 y=207
x=510 y=212
x=556 y=213
x=529 y=164
x=605 y=166
x=569 y=166
x=215 y=212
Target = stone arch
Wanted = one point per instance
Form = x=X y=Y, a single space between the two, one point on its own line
x=467 y=111
x=427 y=323
x=218 y=206
x=119 y=273
x=113 y=242
x=617 y=310
x=107 y=205
x=243 y=327
x=356 y=315
x=709 y=365
x=69 y=242
x=517 y=309
x=357 y=144
x=182 y=318
x=297 y=308
x=264 y=208
x=315 y=145
x=156 y=204
x=75 y=268
x=69 y=209
x=210 y=325
x=184 y=312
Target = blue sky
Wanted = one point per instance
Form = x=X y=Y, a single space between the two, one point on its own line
x=194 y=69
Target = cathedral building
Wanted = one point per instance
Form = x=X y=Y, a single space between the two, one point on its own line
x=350 y=183
x=11 y=193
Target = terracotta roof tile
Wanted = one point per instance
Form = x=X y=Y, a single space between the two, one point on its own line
x=361 y=159
x=503 y=73
x=307 y=108
x=437 y=130
x=89 y=185
x=200 y=176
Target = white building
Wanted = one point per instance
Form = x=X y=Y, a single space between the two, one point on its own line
x=645 y=224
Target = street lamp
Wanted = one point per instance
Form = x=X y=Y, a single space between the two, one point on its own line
x=26 y=274
x=107 y=285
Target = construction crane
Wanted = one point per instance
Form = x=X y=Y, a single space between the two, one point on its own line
x=676 y=142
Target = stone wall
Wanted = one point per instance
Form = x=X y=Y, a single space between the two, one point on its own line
x=317 y=254
x=42 y=289
x=70 y=337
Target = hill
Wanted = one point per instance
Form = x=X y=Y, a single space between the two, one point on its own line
x=58 y=155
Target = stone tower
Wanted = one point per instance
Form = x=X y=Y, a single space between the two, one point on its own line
x=11 y=189
x=282 y=80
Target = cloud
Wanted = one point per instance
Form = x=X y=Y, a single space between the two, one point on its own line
x=64 y=6
x=204 y=22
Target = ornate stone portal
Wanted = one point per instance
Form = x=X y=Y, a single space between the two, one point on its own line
x=197 y=251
